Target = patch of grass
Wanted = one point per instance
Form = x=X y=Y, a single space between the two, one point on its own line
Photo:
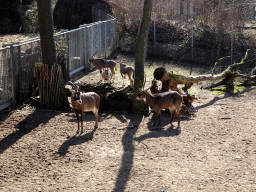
x=219 y=90
x=239 y=89
x=222 y=89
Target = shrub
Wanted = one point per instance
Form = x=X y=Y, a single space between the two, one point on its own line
x=30 y=20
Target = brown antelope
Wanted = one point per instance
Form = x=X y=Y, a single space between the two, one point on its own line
x=124 y=69
x=100 y=63
x=154 y=87
x=169 y=100
x=188 y=99
x=83 y=102
x=106 y=74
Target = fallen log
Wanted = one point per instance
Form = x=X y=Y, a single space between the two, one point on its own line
x=170 y=80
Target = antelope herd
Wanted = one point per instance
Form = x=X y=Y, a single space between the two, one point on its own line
x=157 y=100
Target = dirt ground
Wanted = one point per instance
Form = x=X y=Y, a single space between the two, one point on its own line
x=215 y=150
x=212 y=151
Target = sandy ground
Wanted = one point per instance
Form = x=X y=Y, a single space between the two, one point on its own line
x=215 y=150
x=6 y=39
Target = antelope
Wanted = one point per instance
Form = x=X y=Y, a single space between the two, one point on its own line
x=106 y=74
x=124 y=69
x=171 y=100
x=188 y=99
x=154 y=87
x=100 y=63
x=84 y=102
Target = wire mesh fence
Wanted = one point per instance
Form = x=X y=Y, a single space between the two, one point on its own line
x=73 y=49
x=6 y=78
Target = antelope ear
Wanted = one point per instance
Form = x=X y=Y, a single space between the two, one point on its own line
x=70 y=83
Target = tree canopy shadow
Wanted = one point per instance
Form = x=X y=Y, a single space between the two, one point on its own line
x=27 y=125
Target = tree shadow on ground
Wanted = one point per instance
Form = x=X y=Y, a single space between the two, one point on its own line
x=27 y=125
x=217 y=98
x=128 y=154
x=128 y=146
x=79 y=138
x=89 y=116
x=165 y=120
x=156 y=133
x=75 y=140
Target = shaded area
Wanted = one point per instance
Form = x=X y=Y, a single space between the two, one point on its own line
x=75 y=140
x=128 y=155
x=25 y=126
x=10 y=18
x=4 y=114
x=128 y=148
x=170 y=132
x=165 y=120
x=71 y=14
x=216 y=98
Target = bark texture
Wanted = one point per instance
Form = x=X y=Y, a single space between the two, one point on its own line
x=46 y=32
x=171 y=80
x=140 y=54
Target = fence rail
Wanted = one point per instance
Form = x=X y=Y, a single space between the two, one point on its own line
x=73 y=48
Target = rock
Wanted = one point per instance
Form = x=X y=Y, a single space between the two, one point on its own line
x=238 y=158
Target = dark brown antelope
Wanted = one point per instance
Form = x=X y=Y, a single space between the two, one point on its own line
x=126 y=70
x=100 y=63
x=83 y=102
x=169 y=100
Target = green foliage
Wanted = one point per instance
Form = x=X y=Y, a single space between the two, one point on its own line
x=139 y=106
x=219 y=91
x=201 y=20
x=30 y=20
x=164 y=15
x=61 y=56
x=222 y=89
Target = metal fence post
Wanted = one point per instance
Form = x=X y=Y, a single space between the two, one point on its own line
x=19 y=74
x=232 y=36
x=13 y=80
x=85 y=48
x=154 y=36
x=81 y=49
x=67 y=53
x=99 y=36
x=105 y=38
x=192 y=46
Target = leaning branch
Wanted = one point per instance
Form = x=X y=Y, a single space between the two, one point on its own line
x=228 y=74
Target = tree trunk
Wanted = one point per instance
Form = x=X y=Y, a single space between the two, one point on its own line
x=49 y=74
x=140 y=53
x=45 y=19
